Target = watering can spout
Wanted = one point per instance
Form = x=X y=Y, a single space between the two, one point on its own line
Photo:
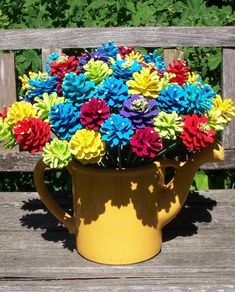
x=174 y=194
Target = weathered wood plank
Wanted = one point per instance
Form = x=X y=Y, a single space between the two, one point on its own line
x=121 y=285
x=45 y=53
x=7 y=87
x=46 y=260
x=139 y=36
x=228 y=86
x=171 y=54
x=24 y=161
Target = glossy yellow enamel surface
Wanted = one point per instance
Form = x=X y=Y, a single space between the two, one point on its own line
x=119 y=214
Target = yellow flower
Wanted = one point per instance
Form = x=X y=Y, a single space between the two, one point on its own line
x=25 y=79
x=193 y=78
x=134 y=56
x=164 y=81
x=20 y=110
x=145 y=83
x=87 y=146
x=221 y=112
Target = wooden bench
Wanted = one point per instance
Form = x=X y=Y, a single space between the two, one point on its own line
x=37 y=254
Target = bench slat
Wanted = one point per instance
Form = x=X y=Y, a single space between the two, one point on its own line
x=138 y=36
x=228 y=86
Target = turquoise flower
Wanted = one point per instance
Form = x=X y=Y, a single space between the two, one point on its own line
x=116 y=130
x=51 y=58
x=123 y=69
x=77 y=89
x=64 y=119
x=114 y=91
x=171 y=98
x=156 y=59
x=198 y=98
x=40 y=85
x=109 y=49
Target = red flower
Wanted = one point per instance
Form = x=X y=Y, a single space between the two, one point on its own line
x=61 y=68
x=180 y=69
x=32 y=134
x=4 y=113
x=196 y=133
x=146 y=142
x=93 y=113
x=123 y=51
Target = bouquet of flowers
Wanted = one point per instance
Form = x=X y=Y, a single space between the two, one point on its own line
x=115 y=108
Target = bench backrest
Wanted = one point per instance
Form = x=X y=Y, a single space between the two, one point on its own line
x=50 y=40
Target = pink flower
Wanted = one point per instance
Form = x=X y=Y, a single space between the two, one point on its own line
x=94 y=113
x=146 y=142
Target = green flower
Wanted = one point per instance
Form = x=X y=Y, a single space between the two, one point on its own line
x=6 y=135
x=97 y=70
x=44 y=105
x=57 y=154
x=168 y=125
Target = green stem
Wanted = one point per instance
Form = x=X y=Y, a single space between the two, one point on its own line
x=168 y=149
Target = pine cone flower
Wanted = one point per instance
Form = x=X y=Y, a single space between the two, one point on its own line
x=113 y=91
x=32 y=134
x=134 y=56
x=20 y=110
x=77 y=89
x=97 y=70
x=25 y=79
x=196 y=134
x=194 y=78
x=3 y=114
x=87 y=146
x=64 y=119
x=96 y=55
x=221 y=112
x=39 y=85
x=145 y=83
x=51 y=58
x=110 y=49
x=146 y=143
x=157 y=60
x=139 y=111
x=168 y=125
x=94 y=113
x=171 y=98
x=179 y=68
x=6 y=136
x=123 y=51
x=124 y=70
x=63 y=66
x=57 y=153
x=43 y=106
x=116 y=130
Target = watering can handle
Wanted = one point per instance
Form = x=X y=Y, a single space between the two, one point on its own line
x=49 y=202
x=162 y=165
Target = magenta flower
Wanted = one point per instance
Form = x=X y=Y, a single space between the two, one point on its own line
x=146 y=143
x=93 y=113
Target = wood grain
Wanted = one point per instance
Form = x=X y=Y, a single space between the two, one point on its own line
x=228 y=86
x=7 y=87
x=138 y=36
x=34 y=257
x=171 y=54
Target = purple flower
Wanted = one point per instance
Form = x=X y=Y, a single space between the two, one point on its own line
x=139 y=111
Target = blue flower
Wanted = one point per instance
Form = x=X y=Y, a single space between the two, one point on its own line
x=51 y=58
x=96 y=55
x=114 y=91
x=77 y=89
x=198 y=98
x=171 y=98
x=116 y=130
x=64 y=119
x=40 y=85
x=110 y=49
x=157 y=60
x=123 y=69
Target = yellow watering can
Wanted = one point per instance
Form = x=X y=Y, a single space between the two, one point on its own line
x=118 y=214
